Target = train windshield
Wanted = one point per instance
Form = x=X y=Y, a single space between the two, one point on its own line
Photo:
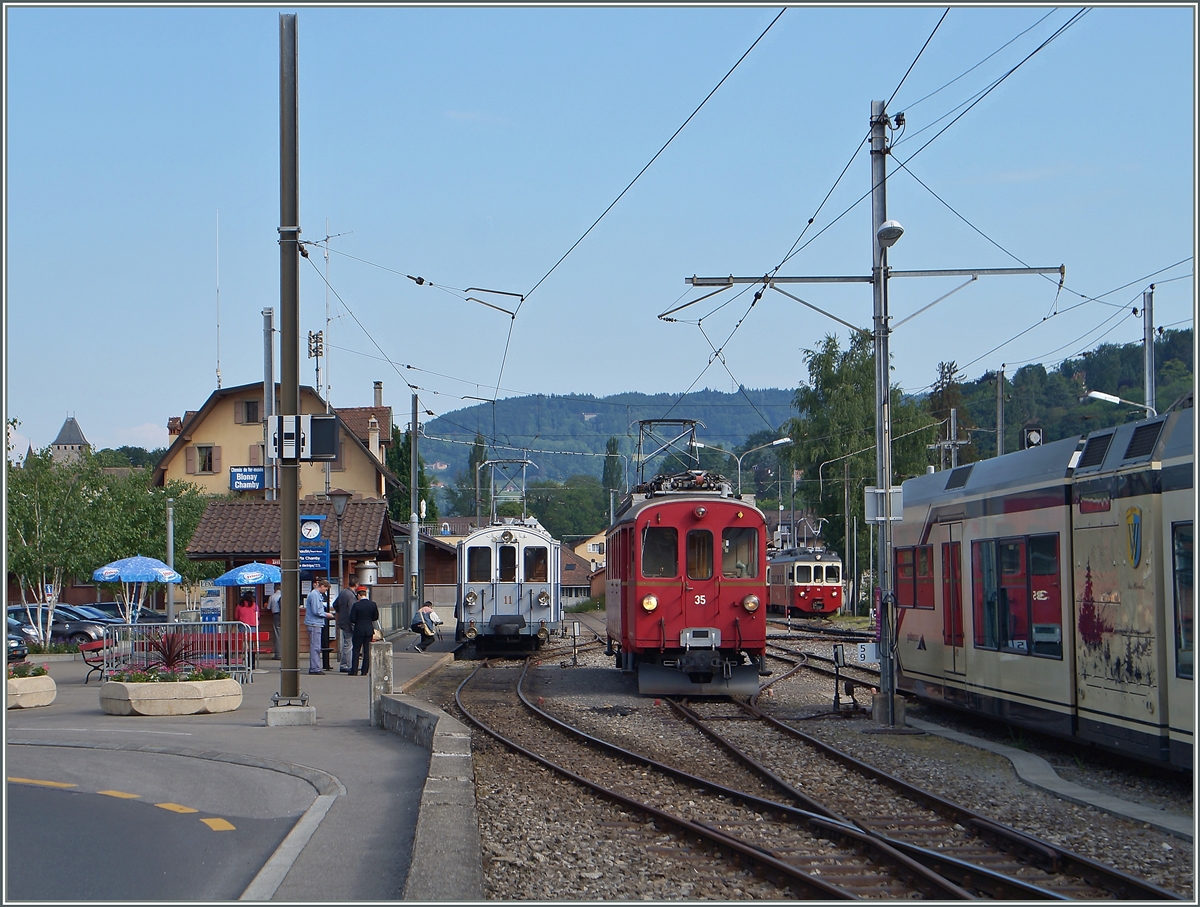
x=832 y=573
x=803 y=573
x=660 y=551
x=537 y=565
x=479 y=565
x=739 y=551
x=508 y=563
x=818 y=573
x=699 y=554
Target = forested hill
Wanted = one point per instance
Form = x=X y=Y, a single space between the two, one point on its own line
x=583 y=423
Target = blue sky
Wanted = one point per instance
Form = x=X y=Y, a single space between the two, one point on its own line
x=473 y=146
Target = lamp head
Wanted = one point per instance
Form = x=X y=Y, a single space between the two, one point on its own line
x=340 y=500
x=889 y=231
x=1108 y=398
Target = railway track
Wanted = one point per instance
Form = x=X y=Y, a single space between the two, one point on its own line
x=983 y=856
x=809 y=854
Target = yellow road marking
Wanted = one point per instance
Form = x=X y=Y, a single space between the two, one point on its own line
x=119 y=793
x=40 y=783
x=176 y=808
x=218 y=824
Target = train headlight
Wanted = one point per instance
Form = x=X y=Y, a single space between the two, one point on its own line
x=650 y=602
x=543 y=598
x=750 y=603
x=543 y=634
x=700 y=512
x=471 y=631
x=471 y=597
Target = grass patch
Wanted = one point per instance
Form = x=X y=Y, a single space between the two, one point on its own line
x=588 y=604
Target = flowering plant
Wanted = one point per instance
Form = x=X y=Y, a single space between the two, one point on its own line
x=154 y=676
x=25 y=669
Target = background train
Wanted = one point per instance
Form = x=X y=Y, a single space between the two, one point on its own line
x=1052 y=588
x=805 y=582
x=686 y=586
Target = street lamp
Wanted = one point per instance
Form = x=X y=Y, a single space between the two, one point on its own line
x=340 y=499
x=774 y=443
x=1110 y=398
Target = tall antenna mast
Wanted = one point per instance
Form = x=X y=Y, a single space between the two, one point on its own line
x=218 y=299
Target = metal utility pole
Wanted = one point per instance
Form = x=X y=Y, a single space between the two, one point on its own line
x=1148 y=327
x=289 y=352
x=1000 y=411
x=883 y=414
x=171 y=557
x=413 y=526
x=268 y=400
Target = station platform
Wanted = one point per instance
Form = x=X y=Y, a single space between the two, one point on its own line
x=370 y=786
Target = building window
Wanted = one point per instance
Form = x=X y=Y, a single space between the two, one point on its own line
x=204 y=459
x=246 y=411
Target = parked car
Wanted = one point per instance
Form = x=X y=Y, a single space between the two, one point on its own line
x=26 y=632
x=17 y=650
x=63 y=630
x=144 y=615
x=83 y=612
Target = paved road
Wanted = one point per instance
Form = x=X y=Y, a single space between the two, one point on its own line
x=141 y=825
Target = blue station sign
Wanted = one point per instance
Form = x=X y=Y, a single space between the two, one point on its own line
x=247 y=478
x=315 y=557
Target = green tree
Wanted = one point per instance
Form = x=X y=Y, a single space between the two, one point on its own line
x=835 y=423
x=578 y=506
x=946 y=396
x=461 y=496
x=613 y=478
x=399 y=458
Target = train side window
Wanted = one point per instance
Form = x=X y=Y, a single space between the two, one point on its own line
x=791 y=575
x=739 y=551
x=508 y=563
x=699 y=554
x=660 y=551
x=1014 y=602
x=923 y=578
x=832 y=573
x=1181 y=543
x=803 y=573
x=479 y=564
x=905 y=591
x=537 y=565
x=952 y=626
x=1046 y=604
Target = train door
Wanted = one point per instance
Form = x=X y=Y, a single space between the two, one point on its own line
x=506 y=592
x=701 y=598
x=478 y=600
x=954 y=661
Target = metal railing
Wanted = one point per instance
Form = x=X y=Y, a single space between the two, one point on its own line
x=226 y=646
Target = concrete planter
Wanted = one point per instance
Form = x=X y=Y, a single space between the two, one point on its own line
x=186 y=697
x=30 y=692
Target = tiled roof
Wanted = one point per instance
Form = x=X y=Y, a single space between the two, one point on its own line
x=578 y=576
x=249 y=528
x=355 y=418
x=70 y=434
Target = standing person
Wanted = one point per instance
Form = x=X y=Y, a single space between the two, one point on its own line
x=364 y=617
x=345 y=629
x=315 y=616
x=247 y=612
x=275 y=603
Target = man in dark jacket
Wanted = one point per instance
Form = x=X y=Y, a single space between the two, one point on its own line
x=341 y=606
x=364 y=618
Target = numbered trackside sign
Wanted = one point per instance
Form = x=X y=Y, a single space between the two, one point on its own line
x=866 y=652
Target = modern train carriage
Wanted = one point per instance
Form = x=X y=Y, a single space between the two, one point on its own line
x=1052 y=588
x=508 y=588
x=685 y=586
x=806 y=582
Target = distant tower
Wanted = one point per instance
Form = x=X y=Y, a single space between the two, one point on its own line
x=70 y=444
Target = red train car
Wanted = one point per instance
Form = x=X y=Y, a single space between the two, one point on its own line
x=808 y=582
x=687 y=587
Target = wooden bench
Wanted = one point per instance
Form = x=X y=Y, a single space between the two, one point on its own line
x=93 y=657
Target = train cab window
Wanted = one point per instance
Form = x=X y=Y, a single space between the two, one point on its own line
x=1181 y=543
x=818 y=573
x=479 y=564
x=833 y=573
x=699 y=554
x=508 y=563
x=660 y=551
x=1046 y=597
x=739 y=551
x=803 y=573
x=537 y=565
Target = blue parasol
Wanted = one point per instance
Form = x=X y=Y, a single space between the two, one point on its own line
x=135 y=573
x=254 y=574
